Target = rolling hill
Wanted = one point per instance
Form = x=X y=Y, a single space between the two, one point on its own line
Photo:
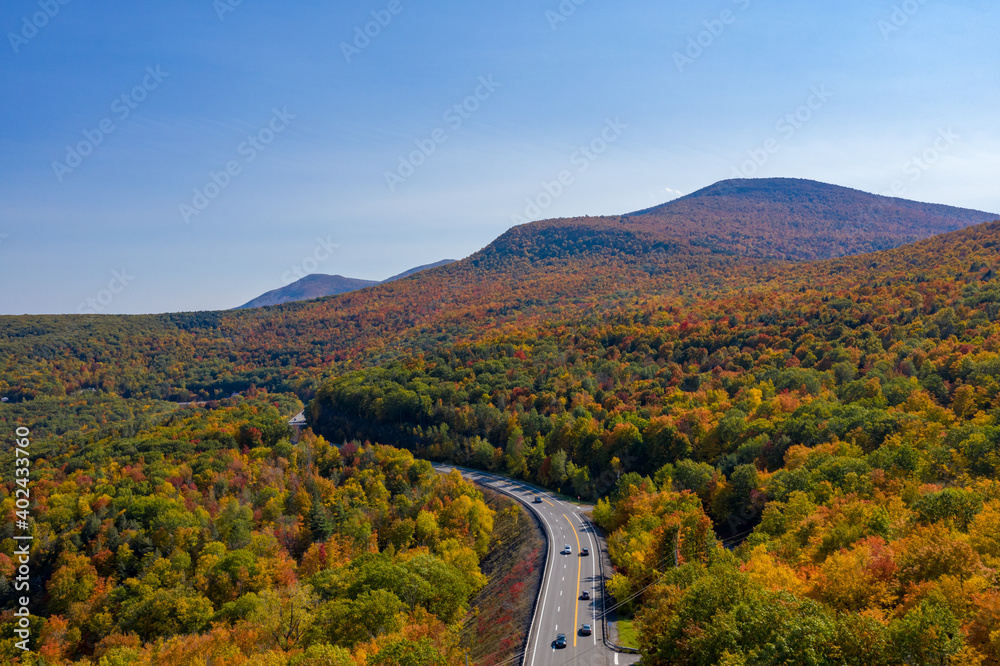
x=309 y=287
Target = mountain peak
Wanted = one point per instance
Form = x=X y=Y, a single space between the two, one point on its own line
x=798 y=219
x=773 y=186
x=760 y=218
x=311 y=286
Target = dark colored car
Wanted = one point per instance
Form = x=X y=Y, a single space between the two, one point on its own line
x=561 y=641
x=585 y=630
x=585 y=596
x=584 y=552
x=537 y=500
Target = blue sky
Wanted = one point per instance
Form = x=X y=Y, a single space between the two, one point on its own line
x=247 y=144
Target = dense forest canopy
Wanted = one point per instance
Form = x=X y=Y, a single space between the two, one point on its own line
x=205 y=534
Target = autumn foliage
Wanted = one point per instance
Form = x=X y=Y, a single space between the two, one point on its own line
x=796 y=460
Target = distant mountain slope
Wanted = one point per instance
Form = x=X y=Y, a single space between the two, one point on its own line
x=787 y=218
x=419 y=269
x=318 y=286
x=311 y=286
x=772 y=218
x=766 y=218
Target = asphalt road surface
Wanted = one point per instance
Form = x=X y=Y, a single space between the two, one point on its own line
x=567 y=575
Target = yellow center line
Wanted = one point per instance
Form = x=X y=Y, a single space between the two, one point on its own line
x=579 y=564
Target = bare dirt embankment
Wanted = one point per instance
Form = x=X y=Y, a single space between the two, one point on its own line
x=497 y=626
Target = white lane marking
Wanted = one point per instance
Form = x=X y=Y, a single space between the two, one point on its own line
x=616 y=659
x=595 y=552
x=545 y=594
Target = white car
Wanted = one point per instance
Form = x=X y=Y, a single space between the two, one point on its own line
x=567 y=550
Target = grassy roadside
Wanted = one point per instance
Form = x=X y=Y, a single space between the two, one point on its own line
x=497 y=626
x=627 y=635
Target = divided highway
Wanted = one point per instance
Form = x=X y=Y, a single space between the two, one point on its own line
x=560 y=609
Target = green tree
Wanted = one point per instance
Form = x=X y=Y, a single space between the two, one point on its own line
x=408 y=653
x=928 y=634
x=956 y=505
x=164 y=613
x=323 y=654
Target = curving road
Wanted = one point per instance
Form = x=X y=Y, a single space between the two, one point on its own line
x=559 y=609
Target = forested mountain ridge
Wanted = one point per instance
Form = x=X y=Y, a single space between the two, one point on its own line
x=543 y=271
x=795 y=219
x=419 y=269
x=659 y=345
x=772 y=218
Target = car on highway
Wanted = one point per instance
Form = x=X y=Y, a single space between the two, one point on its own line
x=567 y=550
x=561 y=641
x=584 y=552
x=585 y=630
x=585 y=596
x=537 y=500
